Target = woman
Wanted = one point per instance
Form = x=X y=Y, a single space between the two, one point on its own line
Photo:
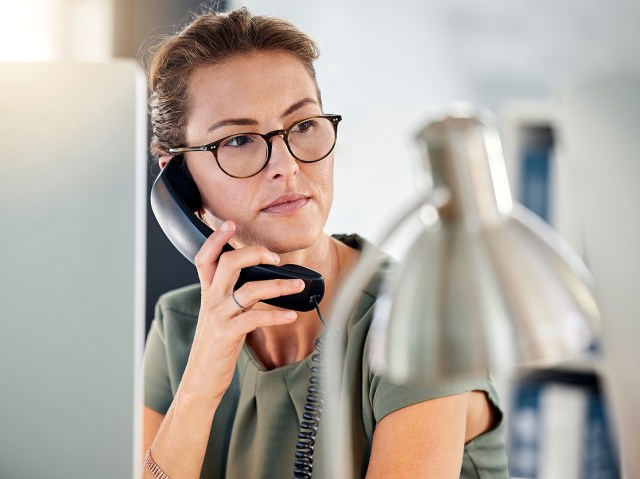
x=226 y=374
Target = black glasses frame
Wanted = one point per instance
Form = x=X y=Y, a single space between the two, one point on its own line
x=213 y=147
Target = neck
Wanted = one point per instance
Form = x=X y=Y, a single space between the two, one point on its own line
x=319 y=256
x=329 y=257
x=281 y=345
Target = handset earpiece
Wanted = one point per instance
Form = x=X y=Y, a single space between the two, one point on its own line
x=175 y=199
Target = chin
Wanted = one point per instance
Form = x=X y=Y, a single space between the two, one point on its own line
x=283 y=247
x=282 y=239
x=296 y=241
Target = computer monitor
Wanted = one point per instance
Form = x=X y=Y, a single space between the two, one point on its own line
x=72 y=220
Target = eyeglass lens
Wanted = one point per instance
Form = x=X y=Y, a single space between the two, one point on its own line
x=246 y=154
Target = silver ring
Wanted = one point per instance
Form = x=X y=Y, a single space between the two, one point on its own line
x=233 y=295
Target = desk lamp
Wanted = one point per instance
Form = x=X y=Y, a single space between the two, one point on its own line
x=485 y=286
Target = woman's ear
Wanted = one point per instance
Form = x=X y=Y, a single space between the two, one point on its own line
x=163 y=160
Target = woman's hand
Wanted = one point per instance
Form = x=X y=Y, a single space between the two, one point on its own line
x=223 y=324
x=182 y=435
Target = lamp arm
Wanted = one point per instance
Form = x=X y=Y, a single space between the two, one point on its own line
x=337 y=464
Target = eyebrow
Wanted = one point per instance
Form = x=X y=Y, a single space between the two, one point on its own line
x=252 y=122
x=232 y=121
x=298 y=105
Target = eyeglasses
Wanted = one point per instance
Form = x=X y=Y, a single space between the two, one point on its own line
x=246 y=154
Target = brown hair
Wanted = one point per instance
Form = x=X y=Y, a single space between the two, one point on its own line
x=212 y=38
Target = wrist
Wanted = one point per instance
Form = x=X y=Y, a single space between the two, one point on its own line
x=180 y=445
x=153 y=467
x=194 y=402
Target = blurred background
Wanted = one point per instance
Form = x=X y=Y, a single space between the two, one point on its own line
x=563 y=79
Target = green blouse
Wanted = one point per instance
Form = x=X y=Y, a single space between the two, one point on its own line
x=254 y=431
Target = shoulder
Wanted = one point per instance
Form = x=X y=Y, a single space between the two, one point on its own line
x=354 y=240
x=178 y=310
x=169 y=343
x=385 y=262
x=371 y=289
x=174 y=325
x=367 y=292
x=184 y=301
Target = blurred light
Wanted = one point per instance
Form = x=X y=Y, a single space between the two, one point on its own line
x=27 y=30
x=48 y=30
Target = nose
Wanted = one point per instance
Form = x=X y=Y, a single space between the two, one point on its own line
x=281 y=163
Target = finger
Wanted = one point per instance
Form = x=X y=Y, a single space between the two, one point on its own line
x=231 y=262
x=251 y=320
x=207 y=257
x=250 y=293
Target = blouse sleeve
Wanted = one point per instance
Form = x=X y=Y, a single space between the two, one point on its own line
x=387 y=397
x=384 y=396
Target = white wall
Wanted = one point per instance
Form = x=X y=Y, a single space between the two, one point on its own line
x=386 y=65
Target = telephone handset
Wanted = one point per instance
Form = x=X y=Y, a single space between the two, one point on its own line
x=174 y=200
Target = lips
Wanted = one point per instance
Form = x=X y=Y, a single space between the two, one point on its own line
x=286 y=204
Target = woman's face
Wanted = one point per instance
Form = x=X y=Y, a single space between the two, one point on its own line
x=285 y=206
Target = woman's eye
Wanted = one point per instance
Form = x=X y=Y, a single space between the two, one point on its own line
x=306 y=125
x=236 y=141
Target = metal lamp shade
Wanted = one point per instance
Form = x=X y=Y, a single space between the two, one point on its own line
x=491 y=285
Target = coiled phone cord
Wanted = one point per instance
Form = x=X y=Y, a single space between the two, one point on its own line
x=303 y=466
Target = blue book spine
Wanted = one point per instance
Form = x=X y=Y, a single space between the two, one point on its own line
x=599 y=459
x=536 y=180
x=523 y=431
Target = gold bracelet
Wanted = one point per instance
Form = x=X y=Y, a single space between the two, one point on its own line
x=153 y=467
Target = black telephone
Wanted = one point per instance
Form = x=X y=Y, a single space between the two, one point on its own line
x=174 y=200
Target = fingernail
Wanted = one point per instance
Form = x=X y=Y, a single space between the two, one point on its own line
x=290 y=314
x=225 y=226
x=275 y=257
x=298 y=283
